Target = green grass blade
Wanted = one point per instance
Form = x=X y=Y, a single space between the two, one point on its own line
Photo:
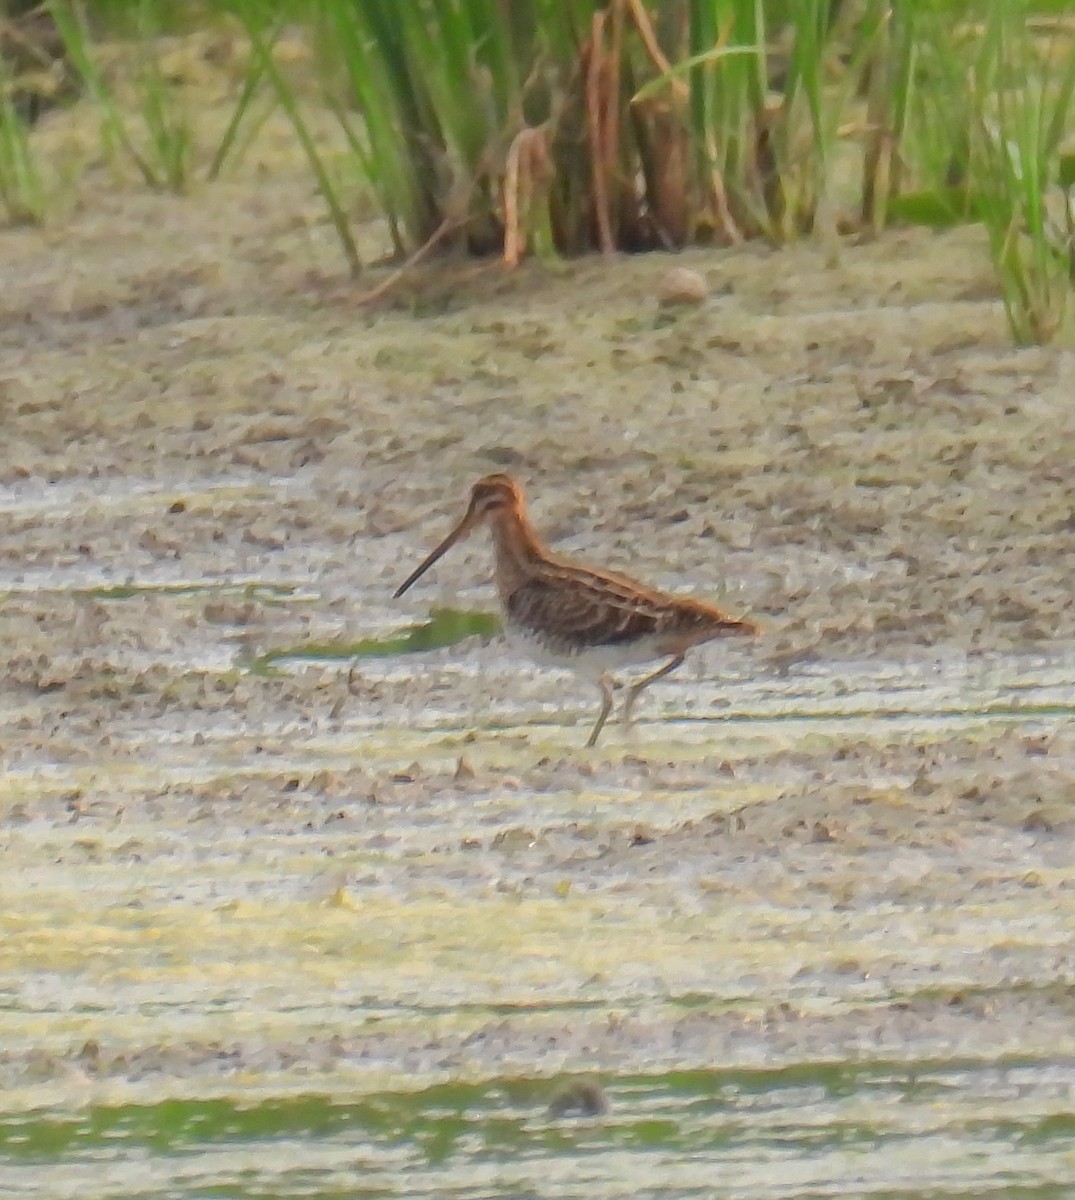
x=250 y=13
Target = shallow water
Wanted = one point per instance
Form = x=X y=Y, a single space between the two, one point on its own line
x=800 y=927
x=295 y=933
x=937 y=1129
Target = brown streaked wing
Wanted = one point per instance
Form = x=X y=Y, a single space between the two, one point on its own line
x=608 y=587
x=670 y=611
x=579 y=616
x=621 y=592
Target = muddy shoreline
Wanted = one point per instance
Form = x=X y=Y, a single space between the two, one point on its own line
x=851 y=844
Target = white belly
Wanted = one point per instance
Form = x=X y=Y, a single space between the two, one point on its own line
x=590 y=662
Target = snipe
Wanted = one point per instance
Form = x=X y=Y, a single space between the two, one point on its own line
x=567 y=615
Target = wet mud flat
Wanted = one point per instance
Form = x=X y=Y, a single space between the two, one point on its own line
x=267 y=930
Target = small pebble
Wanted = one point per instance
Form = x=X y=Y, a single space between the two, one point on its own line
x=680 y=285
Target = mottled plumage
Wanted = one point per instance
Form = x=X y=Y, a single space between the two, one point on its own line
x=574 y=616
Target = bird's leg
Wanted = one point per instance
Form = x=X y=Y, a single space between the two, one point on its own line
x=632 y=695
x=605 y=684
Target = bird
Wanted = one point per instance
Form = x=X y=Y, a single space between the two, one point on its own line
x=564 y=614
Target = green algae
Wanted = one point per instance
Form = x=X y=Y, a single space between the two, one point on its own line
x=445 y=627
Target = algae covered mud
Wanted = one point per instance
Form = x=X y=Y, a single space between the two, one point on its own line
x=272 y=927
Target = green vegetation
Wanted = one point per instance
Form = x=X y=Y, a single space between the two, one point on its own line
x=553 y=127
x=1019 y=119
x=22 y=189
x=445 y=627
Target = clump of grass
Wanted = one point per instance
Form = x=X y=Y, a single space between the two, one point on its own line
x=168 y=142
x=554 y=127
x=157 y=137
x=263 y=27
x=30 y=79
x=992 y=90
x=889 y=79
x=23 y=192
x=560 y=127
x=773 y=88
x=1021 y=111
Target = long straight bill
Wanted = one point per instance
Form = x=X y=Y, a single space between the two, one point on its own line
x=460 y=531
